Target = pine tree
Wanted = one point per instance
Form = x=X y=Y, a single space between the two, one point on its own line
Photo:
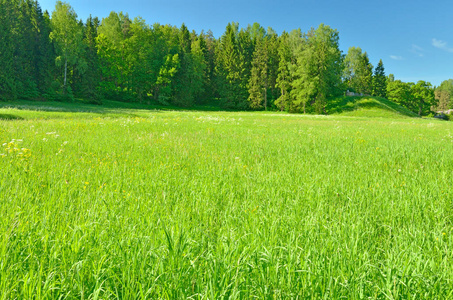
x=365 y=75
x=45 y=53
x=187 y=80
x=259 y=79
x=273 y=64
x=209 y=45
x=379 y=81
x=8 y=81
x=229 y=70
x=283 y=81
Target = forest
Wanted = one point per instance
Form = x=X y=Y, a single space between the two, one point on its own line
x=57 y=57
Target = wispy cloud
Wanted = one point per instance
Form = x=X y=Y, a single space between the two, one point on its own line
x=396 y=57
x=441 y=45
x=417 y=50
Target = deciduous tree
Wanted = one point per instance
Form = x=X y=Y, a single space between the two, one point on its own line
x=67 y=36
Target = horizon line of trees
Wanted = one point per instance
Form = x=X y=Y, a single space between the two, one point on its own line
x=58 y=57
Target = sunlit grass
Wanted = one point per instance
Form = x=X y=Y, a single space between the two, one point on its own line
x=150 y=204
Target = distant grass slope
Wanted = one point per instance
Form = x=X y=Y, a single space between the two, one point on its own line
x=367 y=106
x=25 y=109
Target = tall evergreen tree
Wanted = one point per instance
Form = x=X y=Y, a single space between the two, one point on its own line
x=86 y=83
x=273 y=64
x=259 y=79
x=229 y=70
x=183 y=94
x=45 y=58
x=283 y=81
x=380 y=81
x=7 y=75
x=209 y=45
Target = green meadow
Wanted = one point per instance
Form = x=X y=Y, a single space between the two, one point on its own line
x=131 y=203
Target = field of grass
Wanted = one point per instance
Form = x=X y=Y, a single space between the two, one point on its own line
x=151 y=204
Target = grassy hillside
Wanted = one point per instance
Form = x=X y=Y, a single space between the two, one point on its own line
x=367 y=106
x=341 y=106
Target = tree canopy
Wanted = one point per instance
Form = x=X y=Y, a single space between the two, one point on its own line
x=59 y=57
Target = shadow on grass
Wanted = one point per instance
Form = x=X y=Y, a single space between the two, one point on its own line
x=10 y=117
x=128 y=109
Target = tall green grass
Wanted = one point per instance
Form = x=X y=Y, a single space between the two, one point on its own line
x=213 y=205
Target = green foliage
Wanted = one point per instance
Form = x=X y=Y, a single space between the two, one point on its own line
x=259 y=79
x=109 y=43
x=422 y=97
x=444 y=96
x=44 y=58
x=25 y=50
x=283 y=80
x=230 y=70
x=418 y=98
x=358 y=72
x=380 y=81
x=67 y=35
x=87 y=83
x=190 y=77
x=399 y=92
x=317 y=72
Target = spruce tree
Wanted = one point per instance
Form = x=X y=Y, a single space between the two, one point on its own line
x=283 y=81
x=379 y=81
x=8 y=81
x=229 y=70
x=259 y=79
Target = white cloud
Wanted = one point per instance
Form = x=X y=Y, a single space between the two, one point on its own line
x=417 y=50
x=441 y=45
x=396 y=57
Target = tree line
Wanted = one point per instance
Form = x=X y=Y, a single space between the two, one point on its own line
x=58 y=57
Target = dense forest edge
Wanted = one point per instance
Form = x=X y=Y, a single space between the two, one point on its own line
x=57 y=57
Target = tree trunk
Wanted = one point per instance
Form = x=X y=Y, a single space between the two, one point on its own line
x=65 y=72
x=265 y=98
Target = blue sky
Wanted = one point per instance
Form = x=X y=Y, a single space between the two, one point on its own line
x=413 y=38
